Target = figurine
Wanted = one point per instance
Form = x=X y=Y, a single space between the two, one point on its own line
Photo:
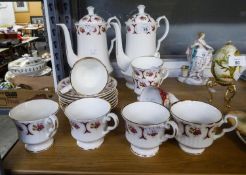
x=199 y=56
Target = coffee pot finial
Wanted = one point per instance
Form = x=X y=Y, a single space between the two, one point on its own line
x=141 y=9
x=90 y=10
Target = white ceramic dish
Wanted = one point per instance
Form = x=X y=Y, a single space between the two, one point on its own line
x=46 y=71
x=88 y=76
x=36 y=123
x=197 y=122
x=63 y=84
x=89 y=121
x=157 y=95
x=27 y=65
x=148 y=71
x=146 y=123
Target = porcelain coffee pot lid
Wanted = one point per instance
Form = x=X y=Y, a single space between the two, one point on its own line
x=141 y=18
x=91 y=18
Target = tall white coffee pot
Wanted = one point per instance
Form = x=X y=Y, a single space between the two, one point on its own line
x=91 y=39
x=140 y=38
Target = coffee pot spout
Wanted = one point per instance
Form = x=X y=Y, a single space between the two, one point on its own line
x=123 y=60
x=71 y=57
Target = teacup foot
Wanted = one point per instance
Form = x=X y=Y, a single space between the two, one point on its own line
x=36 y=148
x=90 y=145
x=143 y=152
x=194 y=151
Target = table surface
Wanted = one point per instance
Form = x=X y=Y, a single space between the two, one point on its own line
x=226 y=155
x=3 y=49
x=32 y=28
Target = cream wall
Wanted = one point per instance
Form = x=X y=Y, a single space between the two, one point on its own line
x=35 y=9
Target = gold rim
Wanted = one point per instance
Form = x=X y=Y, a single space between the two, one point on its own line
x=88 y=58
x=194 y=122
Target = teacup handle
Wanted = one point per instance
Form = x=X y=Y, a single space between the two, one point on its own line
x=164 y=74
x=52 y=124
x=107 y=119
x=168 y=125
x=225 y=120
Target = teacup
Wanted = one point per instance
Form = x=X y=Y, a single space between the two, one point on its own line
x=146 y=124
x=148 y=71
x=198 y=123
x=157 y=95
x=89 y=119
x=36 y=123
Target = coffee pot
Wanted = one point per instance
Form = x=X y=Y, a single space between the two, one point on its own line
x=91 y=39
x=140 y=38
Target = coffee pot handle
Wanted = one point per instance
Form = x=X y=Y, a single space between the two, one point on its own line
x=52 y=124
x=168 y=125
x=165 y=33
x=224 y=130
x=107 y=119
x=108 y=26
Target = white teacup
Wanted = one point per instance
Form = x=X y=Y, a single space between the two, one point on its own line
x=148 y=71
x=197 y=122
x=89 y=119
x=36 y=123
x=146 y=123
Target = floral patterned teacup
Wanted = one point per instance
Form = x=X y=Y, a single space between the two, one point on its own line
x=36 y=123
x=148 y=71
x=146 y=124
x=89 y=119
x=198 y=123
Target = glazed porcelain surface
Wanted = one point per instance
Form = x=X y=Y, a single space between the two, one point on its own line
x=157 y=95
x=109 y=93
x=199 y=55
x=141 y=34
x=147 y=71
x=88 y=76
x=222 y=72
x=36 y=123
x=197 y=128
x=140 y=39
x=145 y=124
x=91 y=39
x=89 y=119
x=27 y=65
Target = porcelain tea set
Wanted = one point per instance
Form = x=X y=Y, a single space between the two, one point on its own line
x=90 y=93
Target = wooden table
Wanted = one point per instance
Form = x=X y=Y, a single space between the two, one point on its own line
x=33 y=29
x=226 y=155
x=3 y=49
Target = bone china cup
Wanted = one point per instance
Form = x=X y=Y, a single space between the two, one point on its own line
x=36 y=123
x=148 y=71
x=198 y=122
x=89 y=119
x=145 y=124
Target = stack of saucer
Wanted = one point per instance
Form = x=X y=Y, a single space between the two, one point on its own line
x=109 y=93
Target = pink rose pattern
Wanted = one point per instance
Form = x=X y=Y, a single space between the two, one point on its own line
x=145 y=78
x=138 y=28
x=152 y=132
x=36 y=127
x=194 y=131
x=86 y=125
x=91 y=29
